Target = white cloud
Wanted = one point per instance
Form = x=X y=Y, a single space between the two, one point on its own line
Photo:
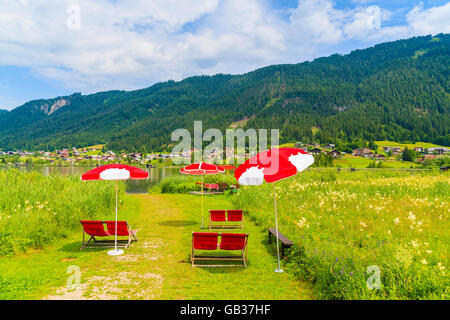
x=430 y=21
x=318 y=21
x=128 y=44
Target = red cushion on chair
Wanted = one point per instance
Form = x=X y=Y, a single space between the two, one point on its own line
x=205 y=240
x=122 y=228
x=233 y=241
x=94 y=228
x=235 y=215
x=218 y=215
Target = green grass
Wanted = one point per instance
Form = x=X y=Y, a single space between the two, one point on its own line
x=157 y=266
x=349 y=161
x=36 y=210
x=424 y=145
x=344 y=222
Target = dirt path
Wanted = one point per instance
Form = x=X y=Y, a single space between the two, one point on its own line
x=157 y=266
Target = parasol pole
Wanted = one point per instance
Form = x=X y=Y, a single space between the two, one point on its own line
x=116 y=252
x=279 y=270
x=115 y=239
x=202 y=201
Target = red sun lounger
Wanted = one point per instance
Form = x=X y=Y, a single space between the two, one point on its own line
x=96 y=229
x=123 y=230
x=217 y=216
x=235 y=215
x=228 y=242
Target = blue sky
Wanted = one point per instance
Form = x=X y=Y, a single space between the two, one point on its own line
x=51 y=48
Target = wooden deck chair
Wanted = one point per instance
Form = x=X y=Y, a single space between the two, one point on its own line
x=216 y=216
x=94 y=229
x=229 y=241
x=123 y=230
x=236 y=215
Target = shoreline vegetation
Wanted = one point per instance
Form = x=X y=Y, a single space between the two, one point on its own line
x=36 y=210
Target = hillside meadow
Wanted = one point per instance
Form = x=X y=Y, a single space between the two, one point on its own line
x=342 y=223
x=37 y=210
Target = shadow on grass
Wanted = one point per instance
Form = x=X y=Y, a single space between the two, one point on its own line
x=224 y=265
x=271 y=248
x=177 y=223
x=74 y=247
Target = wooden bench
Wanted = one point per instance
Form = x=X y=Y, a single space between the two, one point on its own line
x=222 y=186
x=209 y=186
x=285 y=242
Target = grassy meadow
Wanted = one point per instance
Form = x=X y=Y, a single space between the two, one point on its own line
x=36 y=210
x=344 y=222
x=350 y=161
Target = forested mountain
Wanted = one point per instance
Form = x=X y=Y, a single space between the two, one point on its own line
x=393 y=91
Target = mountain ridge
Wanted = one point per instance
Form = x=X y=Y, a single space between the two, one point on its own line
x=393 y=91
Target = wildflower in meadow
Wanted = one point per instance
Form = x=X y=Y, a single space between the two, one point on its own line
x=424 y=261
x=396 y=220
x=411 y=216
x=302 y=222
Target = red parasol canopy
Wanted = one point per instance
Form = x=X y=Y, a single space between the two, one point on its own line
x=273 y=165
x=115 y=172
x=201 y=169
x=227 y=167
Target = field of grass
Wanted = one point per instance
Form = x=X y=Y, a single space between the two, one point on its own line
x=424 y=145
x=36 y=210
x=350 y=161
x=155 y=267
x=343 y=223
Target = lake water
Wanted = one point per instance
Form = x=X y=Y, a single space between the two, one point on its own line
x=133 y=186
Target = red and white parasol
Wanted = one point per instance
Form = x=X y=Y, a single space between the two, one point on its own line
x=115 y=172
x=272 y=166
x=201 y=169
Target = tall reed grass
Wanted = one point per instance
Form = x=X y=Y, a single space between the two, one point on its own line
x=184 y=183
x=344 y=222
x=36 y=210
